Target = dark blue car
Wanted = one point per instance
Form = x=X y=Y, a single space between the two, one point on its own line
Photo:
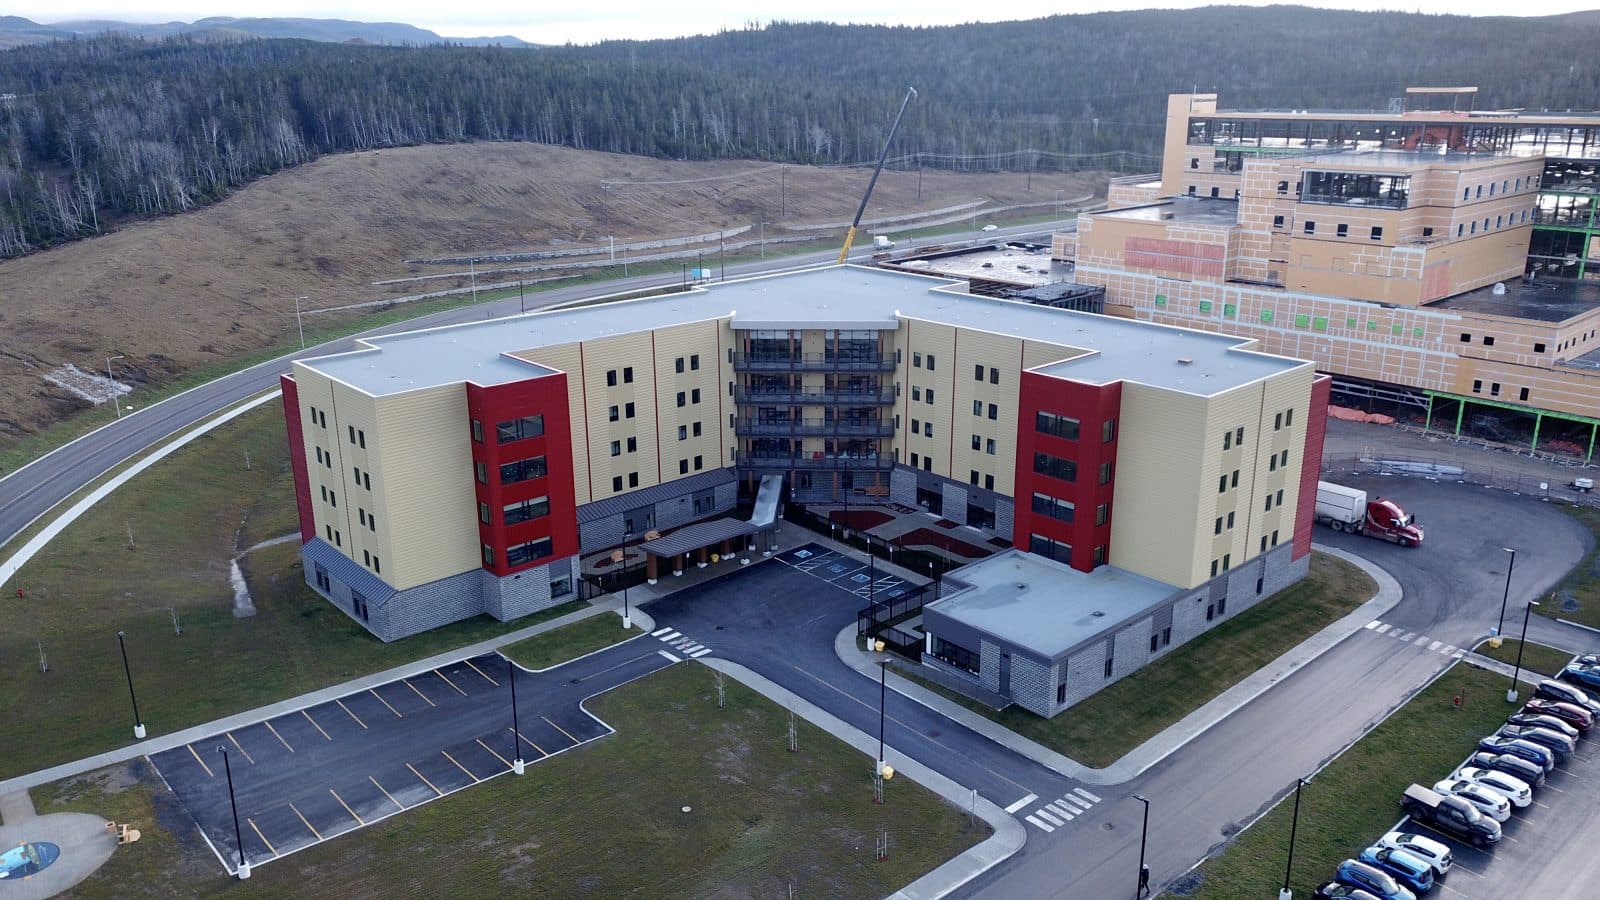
x=1499 y=743
x=1410 y=871
x=1372 y=879
x=1583 y=675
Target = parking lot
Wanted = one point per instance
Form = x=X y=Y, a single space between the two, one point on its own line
x=314 y=774
x=846 y=572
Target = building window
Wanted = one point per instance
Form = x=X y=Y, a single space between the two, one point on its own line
x=916 y=360
x=1263 y=543
x=1494 y=391
x=977 y=373
x=1238 y=436
x=677 y=365
x=694 y=362
x=1098 y=557
x=977 y=444
x=1215 y=191
x=1222 y=485
x=1274 y=537
x=916 y=426
x=1109 y=659
x=988 y=482
x=611 y=378
x=1377 y=232
x=927 y=464
x=1055 y=467
x=683 y=467
x=1277 y=422
x=1466 y=337
x=1056 y=550
x=928 y=395
x=1522 y=394
x=916 y=393
x=1272 y=464
x=977 y=407
x=1227 y=440
x=1216 y=527
x=1061 y=693
x=614 y=414
x=683 y=432
x=927 y=429
x=915 y=459
x=1105 y=472
x=1060 y=510
x=1277 y=221
x=1102 y=513
x=522 y=470
x=1477 y=385
x=1488 y=340
x=930 y=362
x=1311 y=227
x=322 y=578
x=989 y=447
x=477 y=431
x=994 y=375
x=616 y=483
x=699 y=462
x=633 y=479
x=1227 y=561
x=1269 y=503
x=1059 y=426
x=633 y=445
x=616 y=448
x=627 y=411
x=694 y=395
x=683 y=398
x=695 y=429
x=483 y=514
x=1288 y=417
x=1538 y=348
x=974 y=479
x=1427 y=231
x=528 y=552
x=627 y=374
x=1341 y=230
x=1234 y=482
x=483 y=473
x=1280 y=496
x=994 y=412
x=519 y=429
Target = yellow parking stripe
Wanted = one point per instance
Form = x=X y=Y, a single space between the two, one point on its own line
x=386 y=703
x=278 y=736
x=385 y=792
x=481 y=672
x=532 y=744
x=303 y=820
x=352 y=715
x=424 y=780
x=257 y=830
x=419 y=693
x=491 y=750
x=200 y=761
x=241 y=748
x=346 y=806
x=314 y=724
x=562 y=730
x=475 y=779
x=449 y=682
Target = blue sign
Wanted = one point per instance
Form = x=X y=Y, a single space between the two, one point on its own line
x=26 y=860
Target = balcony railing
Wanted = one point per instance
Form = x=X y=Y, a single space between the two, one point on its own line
x=813 y=362
x=814 y=396
x=812 y=428
x=815 y=461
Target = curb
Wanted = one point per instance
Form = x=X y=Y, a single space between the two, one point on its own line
x=1589 y=628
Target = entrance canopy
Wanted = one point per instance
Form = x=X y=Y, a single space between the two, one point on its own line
x=701 y=534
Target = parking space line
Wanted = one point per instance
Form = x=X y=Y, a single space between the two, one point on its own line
x=481 y=672
x=346 y=806
x=278 y=736
x=1541 y=805
x=303 y=820
x=352 y=715
x=1012 y=809
x=257 y=830
x=424 y=780
x=449 y=682
x=491 y=750
x=315 y=725
x=413 y=687
x=562 y=730
x=385 y=792
x=241 y=748
x=446 y=755
x=1547 y=787
x=203 y=762
x=1458 y=867
x=532 y=744
x=386 y=703
x=1449 y=888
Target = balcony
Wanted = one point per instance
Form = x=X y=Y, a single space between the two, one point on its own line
x=814 y=462
x=813 y=428
x=812 y=362
x=813 y=397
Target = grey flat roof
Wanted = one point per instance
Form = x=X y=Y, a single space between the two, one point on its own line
x=1046 y=607
x=1543 y=300
x=1399 y=160
x=1194 y=210
x=1011 y=264
x=828 y=297
x=700 y=534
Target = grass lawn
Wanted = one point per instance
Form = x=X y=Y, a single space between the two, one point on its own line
x=1581 y=587
x=1537 y=658
x=1354 y=800
x=570 y=641
x=1098 y=731
x=188 y=515
x=603 y=820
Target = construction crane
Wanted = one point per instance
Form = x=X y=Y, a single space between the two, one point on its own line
x=850 y=236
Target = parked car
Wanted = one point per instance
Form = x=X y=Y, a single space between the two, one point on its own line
x=1496 y=743
x=1335 y=890
x=1516 y=766
x=1508 y=786
x=1410 y=871
x=1372 y=879
x=1566 y=693
x=1451 y=815
x=1572 y=714
x=1488 y=802
x=1585 y=675
x=1545 y=721
x=1435 y=853
x=1557 y=742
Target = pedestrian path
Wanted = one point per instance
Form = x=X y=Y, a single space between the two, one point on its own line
x=1053 y=814
x=1405 y=636
x=679 y=642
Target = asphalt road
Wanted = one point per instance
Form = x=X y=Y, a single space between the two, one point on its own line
x=34 y=489
x=313 y=775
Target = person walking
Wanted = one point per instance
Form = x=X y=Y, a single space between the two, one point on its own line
x=1144 y=880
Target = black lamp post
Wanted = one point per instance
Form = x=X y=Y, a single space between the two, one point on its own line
x=1294 y=826
x=627 y=615
x=1500 y=628
x=517 y=765
x=872 y=569
x=238 y=836
x=1143 y=884
x=138 y=723
x=1511 y=692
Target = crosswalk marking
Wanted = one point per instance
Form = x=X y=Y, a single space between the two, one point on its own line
x=1384 y=628
x=701 y=652
x=1034 y=821
x=1408 y=636
x=1060 y=810
x=1012 y=809
x=660 y=631
x=1436 y=645
x=671 y=637
x=1421 y=640
x=1377 y=626
x=1073 y=804
x=1045 y=815
x=669 y=656
x=1086 y=795
x=1373 y=624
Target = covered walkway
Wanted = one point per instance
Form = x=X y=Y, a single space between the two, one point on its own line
x=720 y=537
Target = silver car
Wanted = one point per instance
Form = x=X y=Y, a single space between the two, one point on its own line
x=1510 y=787
x=1436 y=854
x=1487 y=801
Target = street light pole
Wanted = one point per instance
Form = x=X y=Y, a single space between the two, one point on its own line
x=300 y=322
x=1499 y=628
x=113 y=379
x=1294 y=826
x=238 y=836
x=627 y=616
x=517 y=765
x=883 y=696
x=138 y=723
x=1143 y=883
x=1511 y=692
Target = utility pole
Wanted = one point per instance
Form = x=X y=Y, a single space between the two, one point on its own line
x=521 y=299
x=1511 y=693
x=138 y=723
x=1505 y=596
x=113 y=379
x=300 y=322
x=238 y=836
x=722 y=260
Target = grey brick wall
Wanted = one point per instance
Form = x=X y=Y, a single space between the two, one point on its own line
x=517 y=595
x=1132 y=649
x=428 y=606
x=1086 y=673
x=903 y=486
x=1004 y=519
x=955 y=501
x=989 y=665
x=1032 y=686
x=600 y=533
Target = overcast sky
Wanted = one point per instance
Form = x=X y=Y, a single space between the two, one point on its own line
x=643 y=19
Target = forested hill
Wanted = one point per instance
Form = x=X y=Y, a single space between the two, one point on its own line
x=96 y=131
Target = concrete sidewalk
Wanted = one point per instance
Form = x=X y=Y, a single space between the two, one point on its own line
x=1009 y=835
x=1176 y=735
x=608 y=604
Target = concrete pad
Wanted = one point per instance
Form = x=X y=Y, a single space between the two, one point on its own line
x=85 y=846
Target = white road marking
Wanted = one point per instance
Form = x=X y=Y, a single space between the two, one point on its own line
x=1041 y=813
x=1012 y=809
x=1448 y=649
x=673 y=636
x=1458 y=654
x=1422 y=638
x=1374 y=623
x=1086 y=795
x=1408 y=636
x=1435 y=645
x=1384 y=628
x=1034 y=821
x=1061 y=811
x=699 y=653
x=669 y=656
x=660 y=631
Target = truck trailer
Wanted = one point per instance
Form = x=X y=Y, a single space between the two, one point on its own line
x=1348 y=509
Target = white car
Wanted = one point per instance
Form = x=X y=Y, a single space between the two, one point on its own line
x=1508 y=786
x=1430 y=851
x=1487 y=801
x=990 y=228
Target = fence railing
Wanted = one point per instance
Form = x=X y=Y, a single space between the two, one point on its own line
x=1506 y=478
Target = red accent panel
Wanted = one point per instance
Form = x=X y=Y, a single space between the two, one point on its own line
x=546 y=396
x=1311 y=464
x=1091 y=405
x=297 y=456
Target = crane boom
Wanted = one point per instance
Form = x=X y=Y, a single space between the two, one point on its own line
x=850 y=236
